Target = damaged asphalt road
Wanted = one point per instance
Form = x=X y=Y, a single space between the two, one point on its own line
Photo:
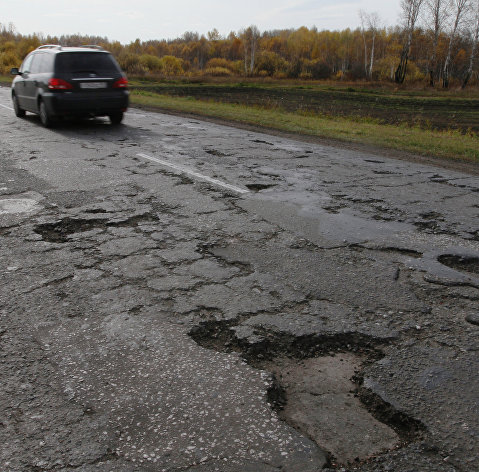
x=182 y=296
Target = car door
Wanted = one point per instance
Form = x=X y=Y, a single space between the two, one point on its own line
x=21 y=83
x=31 y=82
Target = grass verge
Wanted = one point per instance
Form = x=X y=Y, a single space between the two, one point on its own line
x=445 y=144
x=6 y=79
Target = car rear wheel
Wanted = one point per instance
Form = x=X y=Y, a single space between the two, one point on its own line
x=45 y=117
x=116 y=118
x=16 y=107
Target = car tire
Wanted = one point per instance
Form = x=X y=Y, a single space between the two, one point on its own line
x=45 y=117
x=116 y=118
x=19 y=112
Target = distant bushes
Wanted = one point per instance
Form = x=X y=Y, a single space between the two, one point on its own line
x=168 y=66
x=217 y=72
x=221 y=67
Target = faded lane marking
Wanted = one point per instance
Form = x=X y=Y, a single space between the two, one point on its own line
x=185 y=170
x=5 y=106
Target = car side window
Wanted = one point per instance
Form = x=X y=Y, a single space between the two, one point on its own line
x=36 y=65
x=27 y=63
x=47 y=63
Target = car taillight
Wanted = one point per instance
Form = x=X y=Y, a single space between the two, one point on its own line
x=59 y=84
x=121 y=83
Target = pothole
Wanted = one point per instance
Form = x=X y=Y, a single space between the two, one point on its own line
x=259 y=187
x=17 y=205
x=59 y=231
x=216 y=153
x=427 y=225
x=260 y=141
x=391 y=249
x=462 y=263
x=318 y=387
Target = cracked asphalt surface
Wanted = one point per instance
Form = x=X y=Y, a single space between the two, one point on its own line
x=326 y=318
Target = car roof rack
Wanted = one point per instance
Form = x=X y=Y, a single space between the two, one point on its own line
x=49 y=46
x=91 y=46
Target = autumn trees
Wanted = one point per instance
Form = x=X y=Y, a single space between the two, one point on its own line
x=437 y=43
x=450 y=25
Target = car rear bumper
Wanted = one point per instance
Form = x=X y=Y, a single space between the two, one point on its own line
x=86 y=103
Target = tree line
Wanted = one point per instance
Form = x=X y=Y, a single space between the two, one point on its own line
x=436 y=41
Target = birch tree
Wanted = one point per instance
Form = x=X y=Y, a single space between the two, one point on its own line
x=475 y=39
x=250 y=37
x=362 y=17
x=437 y=13
x=460 y=7
x=410 y=13
x=371 y=22
x=254 y=37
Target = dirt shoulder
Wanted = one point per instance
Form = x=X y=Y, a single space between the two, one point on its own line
x=456 y=165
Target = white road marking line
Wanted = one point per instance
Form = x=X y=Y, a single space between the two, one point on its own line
x=185 y=170
x=5 y=106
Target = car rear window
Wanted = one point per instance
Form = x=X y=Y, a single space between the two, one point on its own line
x=86 y=62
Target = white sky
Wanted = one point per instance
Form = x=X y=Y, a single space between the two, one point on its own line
x=126 y=20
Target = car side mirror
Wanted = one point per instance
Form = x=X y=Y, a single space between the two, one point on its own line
x=15 y=71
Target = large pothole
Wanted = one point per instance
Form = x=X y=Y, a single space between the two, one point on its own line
x=322 y=402
x=318 y=389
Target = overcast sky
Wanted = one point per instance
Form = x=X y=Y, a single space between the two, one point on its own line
x=126 y=20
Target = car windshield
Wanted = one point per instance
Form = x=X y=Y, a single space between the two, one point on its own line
x=86 y=62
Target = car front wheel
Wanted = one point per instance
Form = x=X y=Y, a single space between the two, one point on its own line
x=45 y=117
x=16 y=107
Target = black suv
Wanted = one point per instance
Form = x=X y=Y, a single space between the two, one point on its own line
x=56 y=81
